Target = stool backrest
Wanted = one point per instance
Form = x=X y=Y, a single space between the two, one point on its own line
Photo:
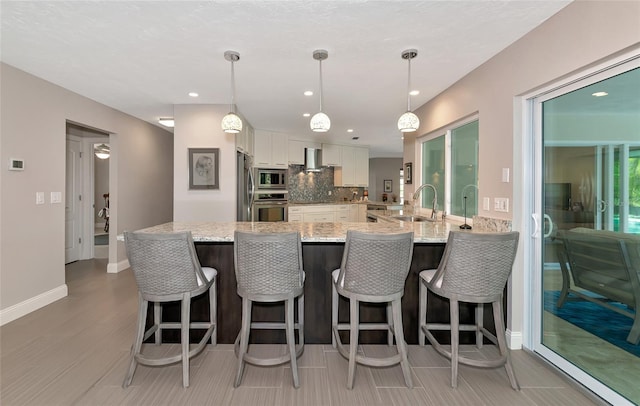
x=376 y=264
x=268 y=263
x=476 y=266
x=163 y=264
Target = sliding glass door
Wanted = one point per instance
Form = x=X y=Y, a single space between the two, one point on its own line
x=588 y=135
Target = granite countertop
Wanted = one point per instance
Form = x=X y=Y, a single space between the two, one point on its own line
x=424 y=232
x=310 y=232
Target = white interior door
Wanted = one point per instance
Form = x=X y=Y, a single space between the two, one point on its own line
x=73 y=212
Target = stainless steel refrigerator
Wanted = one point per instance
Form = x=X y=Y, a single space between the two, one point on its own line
x=245 y=187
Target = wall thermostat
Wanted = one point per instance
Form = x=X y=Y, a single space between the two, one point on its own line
x=16 y=164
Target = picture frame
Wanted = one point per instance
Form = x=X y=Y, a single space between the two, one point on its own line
x=408 y=174
x=388 y=183
x=204 y=168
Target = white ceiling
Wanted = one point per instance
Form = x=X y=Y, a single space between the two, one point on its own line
x=143 y=57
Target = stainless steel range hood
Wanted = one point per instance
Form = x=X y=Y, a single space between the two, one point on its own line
x=312 y=159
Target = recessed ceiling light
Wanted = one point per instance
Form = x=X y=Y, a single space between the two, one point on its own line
x=599 y=94
x=167 y=121
x=193 y=94
x=306 y=115
x=350 y=130
x=308 y=93
x=414 y=92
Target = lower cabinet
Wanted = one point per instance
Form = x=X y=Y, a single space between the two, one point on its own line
x=333 y=213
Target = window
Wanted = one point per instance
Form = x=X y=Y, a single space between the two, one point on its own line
x=450 y=164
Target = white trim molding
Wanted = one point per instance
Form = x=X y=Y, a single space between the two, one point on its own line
x=514 y=339
x=118 y=266
x=18 y=310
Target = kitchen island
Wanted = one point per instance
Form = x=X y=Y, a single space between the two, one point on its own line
x=322 y=248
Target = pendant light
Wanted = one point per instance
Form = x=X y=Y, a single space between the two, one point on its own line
x=320 y=122
x=231 y=123
x=102 y=151
x=408 y=122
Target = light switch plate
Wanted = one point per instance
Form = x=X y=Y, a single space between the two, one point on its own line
x=505 y=175
x=39 y=197
x=56 y=197
x=486 y=203
x=501 y=204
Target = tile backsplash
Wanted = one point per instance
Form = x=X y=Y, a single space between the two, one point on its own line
x=317 y=187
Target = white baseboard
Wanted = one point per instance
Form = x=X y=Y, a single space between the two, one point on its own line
x=118 y=266
x=16 y=311
x=514 y=339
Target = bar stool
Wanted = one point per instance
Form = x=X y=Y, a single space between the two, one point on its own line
x=374 y=269
x=269 y=269
x=167 y=269
x=474 y=268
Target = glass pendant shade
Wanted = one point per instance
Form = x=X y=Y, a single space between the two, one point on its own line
x=102 y=151
x=320 y=123
x=408 y=122
x=231 y=123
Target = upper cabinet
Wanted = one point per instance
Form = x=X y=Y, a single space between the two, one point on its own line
x=331 y=155
x=296 y=151
x=244 y=139
x=355 y=167
x=270 y=150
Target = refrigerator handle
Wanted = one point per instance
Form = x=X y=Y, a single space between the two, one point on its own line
x=251 y=190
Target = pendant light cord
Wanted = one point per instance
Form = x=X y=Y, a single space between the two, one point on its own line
x=320 y=85
x=409 y=87
x=233 y=89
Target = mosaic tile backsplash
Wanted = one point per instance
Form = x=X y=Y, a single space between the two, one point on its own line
x=317 y=187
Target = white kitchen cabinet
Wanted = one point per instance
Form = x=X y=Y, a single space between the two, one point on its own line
x=296 y=151
x=319 y=217
x=354 y=171
x=362 y=213
x=271 y=150
x=244 y=139
x=294 y=214
x=331 y=155
x=353 y=212
x=342 y=213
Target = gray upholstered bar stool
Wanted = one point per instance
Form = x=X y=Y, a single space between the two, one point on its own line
x=474 y=268
x=167 y=269
x=269 y=269
x=374 y=269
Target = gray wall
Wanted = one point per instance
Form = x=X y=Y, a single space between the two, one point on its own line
x=381 y=169
x=34 y=115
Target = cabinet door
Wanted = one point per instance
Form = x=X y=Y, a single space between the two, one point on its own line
x=296 y=152
x=348 y=166
x=362 y=167
x=353 y=212
x=331 y=155
x=262 y=153
x=295 y=218
x=319 y=217
x=362 y=213
x=279 y=150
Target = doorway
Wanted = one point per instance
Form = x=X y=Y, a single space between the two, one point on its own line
x=87 y=183
x=586 y=137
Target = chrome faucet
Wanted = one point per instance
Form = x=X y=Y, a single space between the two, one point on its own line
x=434 y=203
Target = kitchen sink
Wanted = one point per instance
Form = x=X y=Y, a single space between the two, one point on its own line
x=412 y=218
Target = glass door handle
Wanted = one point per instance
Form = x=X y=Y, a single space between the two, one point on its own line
x=548 y=219
x=536 y=225
x=603 y=205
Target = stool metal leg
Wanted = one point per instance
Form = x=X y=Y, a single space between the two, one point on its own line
x=137 y=343
x=185 y=319
x=353 y=340
x=422 y=314
x=479 y=324
x=390 y=321
x=334 y=313
x=243 y=338
x=291 y=341
x=400 y=343
x=157 y=319
x=502 y=344
x=213 y=313
x=455 y=341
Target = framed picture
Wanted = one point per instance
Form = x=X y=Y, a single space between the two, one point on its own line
x=387 y=185
x=408 y=167
x=204 y=168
